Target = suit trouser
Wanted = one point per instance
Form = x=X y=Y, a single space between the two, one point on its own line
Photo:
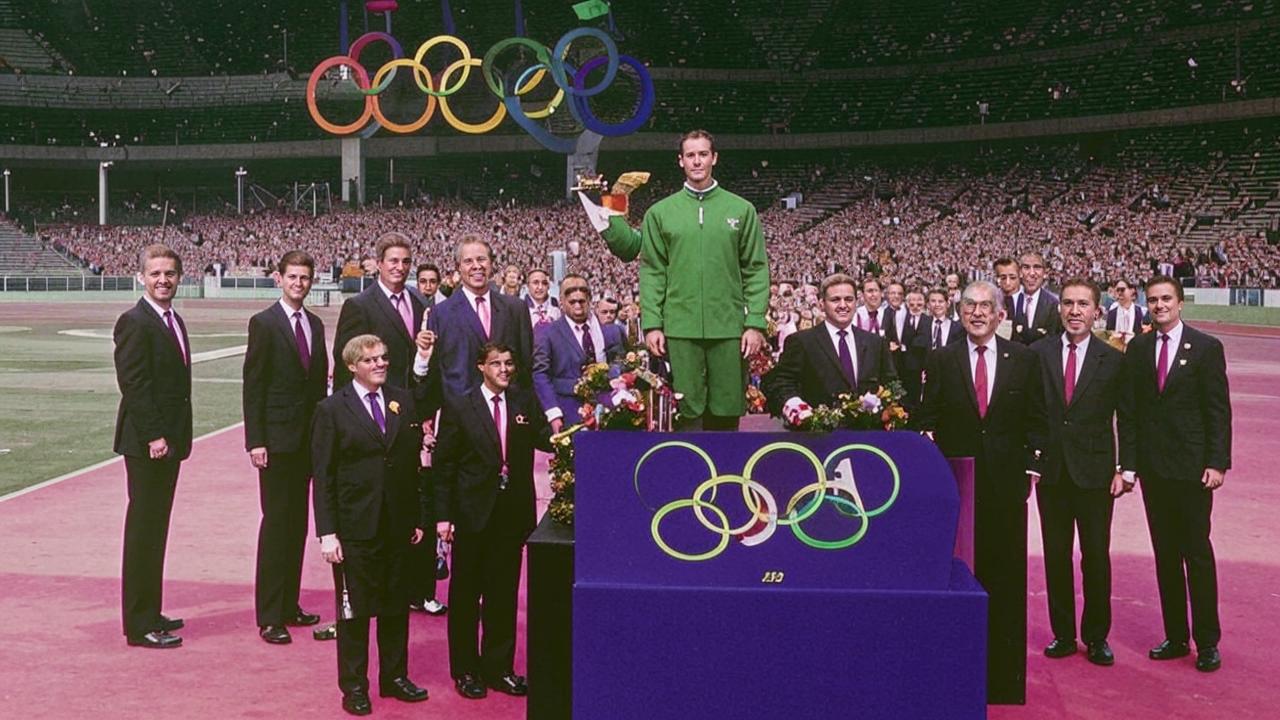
x=1178 y=515
x=484 y=590
x=284 y=488
x=353 y=651
x=146 y=533
x=711 y=375
x=1000 y=559
x=422 y=557
x=1064 y=508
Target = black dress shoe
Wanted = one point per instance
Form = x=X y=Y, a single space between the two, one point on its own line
x=1060 y=648
x=325 y=633
x=158 y=640
x=469 y=687
x=302 y=619
x=275 y=634
x=357 y=702
x=1169 y=650
x=1100 y=654
x=1208 y=659
x=510 y=684
x=169 y=624
x=403 y=689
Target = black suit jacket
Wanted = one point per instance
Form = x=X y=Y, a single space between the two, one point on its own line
x=279 y=395
x=1046 y=323
x=460 y=336
x=361 y=473
x=1186 y=428
x=999 y=443
x=155 y=384
x=371 y=312
x=467 y=460
x=1080 y=437
x=922 y=341
x=809 y=368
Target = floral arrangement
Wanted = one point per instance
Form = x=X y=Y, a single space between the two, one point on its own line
x=615 y=396
x=879 y=410
x=758 y=365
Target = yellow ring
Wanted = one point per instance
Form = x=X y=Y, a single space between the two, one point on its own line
x=821 y=485
x=466 y=70
x=430 y=110
x=459 y=125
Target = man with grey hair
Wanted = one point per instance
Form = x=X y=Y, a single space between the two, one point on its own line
x=981 y=397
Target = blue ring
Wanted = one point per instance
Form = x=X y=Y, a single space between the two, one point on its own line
x=558 y=65
x=581 y=109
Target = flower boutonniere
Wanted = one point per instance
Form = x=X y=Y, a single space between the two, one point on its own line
x=1186 y=346
x=394 y=407
x=522 y=420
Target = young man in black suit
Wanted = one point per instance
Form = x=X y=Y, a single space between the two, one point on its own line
x=873 y=316
x=828 y=359
x=1035 y=309
x=940 y=330
x=484 y=500
x=1182 y=410
x=979 y=402
x=369 y=511
x=286 y=372
x=1086 y=405
x=386 y=309
x=153 y=433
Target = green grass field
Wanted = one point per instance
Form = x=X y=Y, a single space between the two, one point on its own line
x=60 y=390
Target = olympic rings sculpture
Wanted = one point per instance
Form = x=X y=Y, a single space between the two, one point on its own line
x=569 y=81
x=765 y=515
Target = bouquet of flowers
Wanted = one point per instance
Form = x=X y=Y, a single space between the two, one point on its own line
x=758 y=365
x=879 y=410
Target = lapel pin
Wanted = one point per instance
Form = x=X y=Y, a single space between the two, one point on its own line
x=1186 y=346
x=394 y=407
x=1183 y=361
x=1005 y=356
x=522 y=420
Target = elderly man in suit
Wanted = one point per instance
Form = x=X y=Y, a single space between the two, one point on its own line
x=1035 y=309
x=484 y=500
x=1126 y=316
x=369 y=511
x=1182 y=405
x=828 y=359
x=286 y=372
x=153 y=433
x=473 y=316
x=387 y=309
x=980 y=401
x=1086 y=405
x=562 y=349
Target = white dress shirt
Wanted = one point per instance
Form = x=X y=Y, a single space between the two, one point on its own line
x=177 y=328
x=990 y=358
x=306 y=324
x=1028 y=305
x=363 y=392
x=1175 y=342
x=1124 y=318
x=946 y=330
x=549 y=311
x=1081 y=348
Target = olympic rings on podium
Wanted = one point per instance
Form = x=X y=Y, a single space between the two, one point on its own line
x=569 y=81
x=763 y=514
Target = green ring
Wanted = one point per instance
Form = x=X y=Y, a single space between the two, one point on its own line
x=812 y=542
x=541 y=53
x=893 y=467
x=806 y=452
x=687 y=502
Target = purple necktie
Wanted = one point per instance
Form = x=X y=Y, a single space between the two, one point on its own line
x=402 y=305
x=980 y=381
x=1162 y=362
x=304 y=350
x=376 y=409
x=874 y=323
x=177 y=340
x=846 y=359
x=588 y=345
x=937 y=334
x=1069 y=377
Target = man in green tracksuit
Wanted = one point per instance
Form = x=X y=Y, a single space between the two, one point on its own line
x=704 y=286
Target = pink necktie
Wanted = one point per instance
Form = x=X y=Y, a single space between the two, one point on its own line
x=482 y=309
x=1069 y=378
x=300 y=336
x=1162 y=362
x=502 y=430
x=168 y=319
x=874 y=323
x=402 y=304
x=980 y=381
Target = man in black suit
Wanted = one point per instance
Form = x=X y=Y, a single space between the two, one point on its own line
x=1009 y=280
x=473 y=316
x=484 y=500
x=426 y=556
x=979 y=402
x=369 y=511
x=286 y=372
x=1126 y=316
x=386 y=309
x=912 y=354
x=828 y=359
x=1086 y=403
x=895 y=296
x=873 y=316
x=153 y=433
x=940 y=330
x=1182 y=410
x=1035 y=309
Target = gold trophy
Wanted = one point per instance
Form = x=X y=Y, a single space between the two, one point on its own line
x=614 y=199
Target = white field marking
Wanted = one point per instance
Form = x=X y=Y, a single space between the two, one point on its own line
x=102 y=334
x=226 y=381
x=95 y=466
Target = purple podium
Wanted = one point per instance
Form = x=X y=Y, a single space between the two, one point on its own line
x=771 y=575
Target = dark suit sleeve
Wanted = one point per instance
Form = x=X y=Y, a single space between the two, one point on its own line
x=931 y=407
x=524 y=342
x=1036 y=414
x=1126 y=419
x=1215 y=403
x=133 y=374
x=888 y=373
x=351 y=322
x=542 y=385
x=783 y=382
x=256 y=380
x=324 y=495
x=450 y=447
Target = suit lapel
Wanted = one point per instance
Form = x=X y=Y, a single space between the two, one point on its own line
x=156 y=318
x=392 y=417
x=1053 y=354
x=469 y=312
x=960 y=356
x=865 y=355
x=358 y=408
x=498 y=317
x=317 y=339
x=484 y=420
x=571 y=340
x=393 y=316
x=285 y=325
x=1181 y=354
x=823 y=338
x=1092 y=359
x=1004 y=370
